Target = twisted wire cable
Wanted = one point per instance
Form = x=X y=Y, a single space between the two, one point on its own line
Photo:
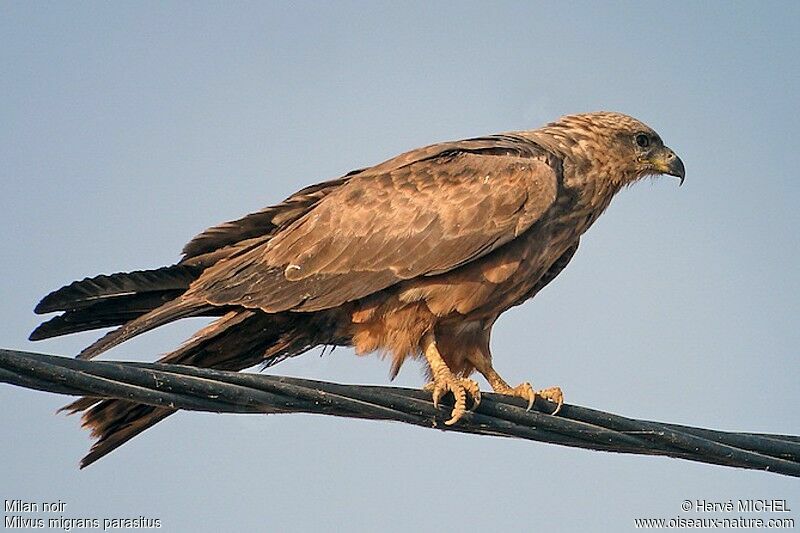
x=200 y=389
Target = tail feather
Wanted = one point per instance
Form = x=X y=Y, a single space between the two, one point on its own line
x=238 y=340
x=90 y=291
x=103 y=314
x=169 y=312
x=106 y=301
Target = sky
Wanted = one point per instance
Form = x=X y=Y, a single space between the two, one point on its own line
x=127 y=128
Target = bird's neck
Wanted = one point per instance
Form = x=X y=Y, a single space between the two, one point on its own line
x=590 y=181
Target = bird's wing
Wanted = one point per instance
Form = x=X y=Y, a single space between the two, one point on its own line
x=261 y=224
x=420 y=214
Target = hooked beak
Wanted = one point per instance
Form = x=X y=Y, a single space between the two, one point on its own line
x=666 y=162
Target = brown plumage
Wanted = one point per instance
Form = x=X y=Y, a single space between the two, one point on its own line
x=416 y=256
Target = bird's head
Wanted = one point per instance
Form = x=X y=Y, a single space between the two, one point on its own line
x=617 y=145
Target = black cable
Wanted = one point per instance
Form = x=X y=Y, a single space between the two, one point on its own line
x=200 y=389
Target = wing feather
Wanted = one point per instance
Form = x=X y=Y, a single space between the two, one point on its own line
x=420 y=214
x=261 y=224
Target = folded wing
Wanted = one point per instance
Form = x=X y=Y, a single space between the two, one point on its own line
x=421 y=214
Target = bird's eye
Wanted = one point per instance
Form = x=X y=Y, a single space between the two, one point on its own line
x=642 y=140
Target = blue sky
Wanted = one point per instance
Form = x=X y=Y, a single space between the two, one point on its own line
x=130 y=127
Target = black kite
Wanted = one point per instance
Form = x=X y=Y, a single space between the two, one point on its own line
x=416 y=256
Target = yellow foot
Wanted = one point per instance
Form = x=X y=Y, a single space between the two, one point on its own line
x=447 y=382
x=526 y=392
x=555 y=395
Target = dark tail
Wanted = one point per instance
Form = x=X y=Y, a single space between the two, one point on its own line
x=238 y=340
x=169 y=312
x=105 y=301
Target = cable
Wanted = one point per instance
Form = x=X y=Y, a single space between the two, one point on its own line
x=200 y=389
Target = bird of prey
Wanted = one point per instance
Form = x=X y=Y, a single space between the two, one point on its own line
x=415 y=257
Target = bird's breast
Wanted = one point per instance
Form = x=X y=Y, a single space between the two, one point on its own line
x=497 y=281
